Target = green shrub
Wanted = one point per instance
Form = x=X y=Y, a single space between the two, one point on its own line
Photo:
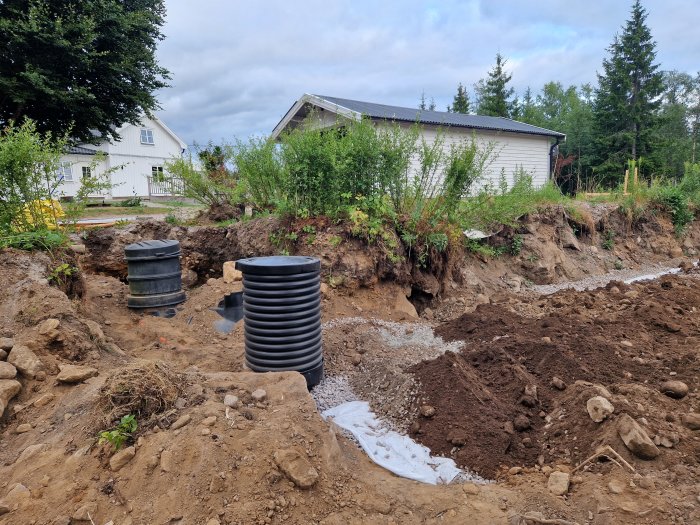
x=261 y=172
x=676 y=202
x=33 y=240
x=121 y=433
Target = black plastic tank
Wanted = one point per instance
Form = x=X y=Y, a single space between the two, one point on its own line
x=155 y=277
x=282 y=315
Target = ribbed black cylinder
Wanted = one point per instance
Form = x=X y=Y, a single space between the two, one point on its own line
x=155 y=277
x=282 y=315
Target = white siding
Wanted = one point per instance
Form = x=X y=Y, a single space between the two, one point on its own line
x=70 y=188
x=511 y=151
x=130 y=160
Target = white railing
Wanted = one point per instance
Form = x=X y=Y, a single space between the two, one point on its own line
x=165 y=187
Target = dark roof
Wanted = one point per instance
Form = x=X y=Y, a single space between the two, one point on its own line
x=80 y=150
x=440 y=118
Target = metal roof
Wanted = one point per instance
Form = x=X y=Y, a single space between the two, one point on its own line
x=439 y=118
x=80 y=150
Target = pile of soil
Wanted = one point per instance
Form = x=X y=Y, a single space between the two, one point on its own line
x=497 y=401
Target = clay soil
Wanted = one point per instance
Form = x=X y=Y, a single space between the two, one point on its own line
x=481 y=368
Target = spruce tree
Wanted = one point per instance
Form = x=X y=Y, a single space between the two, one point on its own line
x=460 y=103
x=627 y=99
x=493 y=94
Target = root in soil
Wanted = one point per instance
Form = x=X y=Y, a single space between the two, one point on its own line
x=145 y=390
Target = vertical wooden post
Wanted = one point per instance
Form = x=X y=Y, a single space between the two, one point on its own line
x=636 y=175
x=627 y=176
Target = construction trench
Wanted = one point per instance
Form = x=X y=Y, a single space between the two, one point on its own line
x=563 y=390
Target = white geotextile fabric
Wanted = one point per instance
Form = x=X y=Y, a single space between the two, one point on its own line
x=391 y=450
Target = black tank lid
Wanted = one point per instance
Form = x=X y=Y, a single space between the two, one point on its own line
x=152 y=249
x=278 y=265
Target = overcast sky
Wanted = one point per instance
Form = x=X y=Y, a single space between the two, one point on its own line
x=238 y=66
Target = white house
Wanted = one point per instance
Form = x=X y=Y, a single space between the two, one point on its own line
x=515 y=144
x=136 y=161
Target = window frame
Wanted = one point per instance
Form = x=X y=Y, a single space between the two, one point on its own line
x=147 y=133
x=65 y=169
x=157 y=173
x=86 y=172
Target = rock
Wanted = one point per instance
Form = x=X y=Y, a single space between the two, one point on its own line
x=558 y=383
x=213 y=521
x=24 y=427
x=75 y=373
x=324 y=289
x=427 y=411
x=181 y=422
x=259 y=395
x=25 y=361
x=78 y=248
x=691 y=420
x=95 y=330
x=558 y=483
x=635 y=438
x=6 y=343
x=599 y=408
x=231 y=275
x=521 y=423
x=231 y=401
x=9 y=388
x=514 y=471
x=31 y=451
x=49 y=328
x=3 y=355
x=121 y=458
x=675 y=389
x=404 y=306
x=43 y=400
x=17 y=494
x=296 y=467
x=7 y=371
x=356 y=359
x=4 y=509
x=189 y=278
x=616 y=487
x=166 y=461
x=209 y=421
x=85 y=513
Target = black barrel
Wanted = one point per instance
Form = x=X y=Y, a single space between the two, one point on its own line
x=155 y=277
x=282 y=315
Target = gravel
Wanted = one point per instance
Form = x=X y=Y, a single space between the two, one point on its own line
x=643 y=273
x=333 y=391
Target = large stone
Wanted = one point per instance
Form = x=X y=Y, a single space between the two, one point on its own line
x=691 y=420
x=296 y=467
x=9 y=388
x=181 y=422
x=558 y=483
x=75 y=373
x=25 y=361
x=599 y=408
x=674 y=389
x=7 y=371
x=85 y=513
x=121 y=458
x=404 y=307
x=96 y=333
x=6 y=343
x=231 y=275
x=166 y=461
x=3 y=355
x=636 y=439
x=31 y=451
x=49 y=328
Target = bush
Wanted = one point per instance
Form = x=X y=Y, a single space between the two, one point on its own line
x=33 y=240
x=28 y=165
x=261 y=173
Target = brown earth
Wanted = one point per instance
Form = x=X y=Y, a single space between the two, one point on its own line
x=195 y=460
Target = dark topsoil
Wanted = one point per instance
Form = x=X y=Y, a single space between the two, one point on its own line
x=627 y=338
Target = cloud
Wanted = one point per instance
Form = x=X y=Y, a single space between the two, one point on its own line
x=238 y=66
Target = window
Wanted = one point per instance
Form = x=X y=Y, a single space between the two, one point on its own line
x=157 y=173
x=86 y=172
x=146 y=136
x=65 y=171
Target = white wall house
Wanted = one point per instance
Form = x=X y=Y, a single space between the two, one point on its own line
x=136 y=159
x=515 y=144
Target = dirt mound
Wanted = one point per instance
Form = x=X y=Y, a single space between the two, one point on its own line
x=498 y=403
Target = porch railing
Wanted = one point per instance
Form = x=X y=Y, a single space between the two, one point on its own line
x=165 y=187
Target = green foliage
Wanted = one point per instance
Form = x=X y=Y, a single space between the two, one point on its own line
x=483 y=249
x=494 y=97
x=83 y=66
x=61 y=273
x=28 y=164
x=121 y=433
x=460 y=103
x=171 y=218
x=675 y=201
x=608 y=240
x=627 y=99
x=33 y=240
x=132 y=202
x=214 y=187
x=516 y=245
x=261 y=173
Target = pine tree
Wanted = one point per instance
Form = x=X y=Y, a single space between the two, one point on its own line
x=431 y=106
x=460 y=103
x=493 y=94
x=627 y=99
x=421 y=104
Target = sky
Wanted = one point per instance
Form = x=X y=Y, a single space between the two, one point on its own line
x=237 y=66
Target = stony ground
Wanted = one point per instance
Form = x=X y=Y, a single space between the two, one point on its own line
x=523 y=388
